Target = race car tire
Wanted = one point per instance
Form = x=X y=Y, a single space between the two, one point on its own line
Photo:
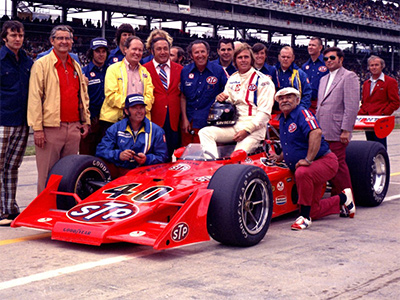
x=240 y=209
x=369 y=167
x=77 y=172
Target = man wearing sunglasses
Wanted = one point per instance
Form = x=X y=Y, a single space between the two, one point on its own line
x=338 y=102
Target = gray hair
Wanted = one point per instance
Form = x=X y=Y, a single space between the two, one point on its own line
x=373 y=57
x=61 y=28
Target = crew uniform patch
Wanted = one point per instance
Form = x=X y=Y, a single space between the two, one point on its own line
x=307 y=67
x=322 y=69
x=191 y=76
x=252 y=87
x=92 y=74
x=212 y=80
x=310 y=118
x=292 y=127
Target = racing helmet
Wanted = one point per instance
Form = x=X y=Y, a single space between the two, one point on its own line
x=222 y=114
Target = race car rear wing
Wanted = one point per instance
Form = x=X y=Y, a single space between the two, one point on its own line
x=381 y=125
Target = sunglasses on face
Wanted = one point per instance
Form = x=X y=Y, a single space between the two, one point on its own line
x=332 y=57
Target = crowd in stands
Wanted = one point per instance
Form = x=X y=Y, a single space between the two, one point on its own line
x=36 y=41
x=363 y=9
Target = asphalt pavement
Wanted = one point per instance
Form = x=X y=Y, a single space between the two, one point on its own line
x=336 y=258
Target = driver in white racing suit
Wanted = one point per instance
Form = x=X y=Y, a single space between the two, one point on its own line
x=253 y=95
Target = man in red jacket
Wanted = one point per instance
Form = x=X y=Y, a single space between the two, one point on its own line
x=165 y=76
x=380 y=95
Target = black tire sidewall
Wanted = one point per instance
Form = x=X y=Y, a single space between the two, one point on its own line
x=71 y=167
x=224 y=219
x=360 y=158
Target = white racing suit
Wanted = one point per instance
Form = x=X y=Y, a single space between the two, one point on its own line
x=253 y=95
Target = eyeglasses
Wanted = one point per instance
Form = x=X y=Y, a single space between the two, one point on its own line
x=63 y=38
x=332 y=57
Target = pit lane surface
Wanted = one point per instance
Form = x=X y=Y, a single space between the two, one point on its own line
x=335 y=259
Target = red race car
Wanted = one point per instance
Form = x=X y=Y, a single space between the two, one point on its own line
x=232 y=198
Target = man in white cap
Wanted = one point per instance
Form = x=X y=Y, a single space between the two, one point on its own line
x=134 y=141
x=307 y=154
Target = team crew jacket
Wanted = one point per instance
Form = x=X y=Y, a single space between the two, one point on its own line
x=200 y=90
x=115 y=89
x=44 y=94
x=294 y=131
x=116 y=55
x=253 y=95
x=296 y=78
x=96 y=77
x=229 y=69
x=271 y=72
x=315 y=71
x=14 y=87
x=149 y=140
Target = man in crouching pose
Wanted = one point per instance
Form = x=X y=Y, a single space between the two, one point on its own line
x=307 y=154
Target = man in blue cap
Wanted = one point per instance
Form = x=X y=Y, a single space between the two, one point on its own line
x=95 y=72
x=134 y=141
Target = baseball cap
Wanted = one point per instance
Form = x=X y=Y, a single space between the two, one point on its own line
x=287 y=91
x=97 y=43
x=134 y=99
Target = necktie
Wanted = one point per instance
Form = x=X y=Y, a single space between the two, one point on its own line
x=163 y=76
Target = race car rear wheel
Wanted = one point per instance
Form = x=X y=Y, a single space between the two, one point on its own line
x=79 y=172
x=240 y=209
x=369 y=167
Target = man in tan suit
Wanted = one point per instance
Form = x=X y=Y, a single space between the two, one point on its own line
x=338 y=102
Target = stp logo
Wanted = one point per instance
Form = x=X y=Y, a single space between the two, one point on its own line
x=292 y=127
x=179 y=232
x=102 y=211
x=322 y=69
x=212 y=80
x=180 y=167
x=252 y=87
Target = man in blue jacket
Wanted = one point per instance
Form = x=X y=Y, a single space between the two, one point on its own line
x=134 y=141
x=315 y=69
x=15 y=68
x=95 y=72
x=290 y=75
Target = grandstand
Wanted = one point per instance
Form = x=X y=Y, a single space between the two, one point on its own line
x=334 y=20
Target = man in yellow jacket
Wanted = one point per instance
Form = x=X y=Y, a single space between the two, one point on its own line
x=58 y=104
x=124 y=78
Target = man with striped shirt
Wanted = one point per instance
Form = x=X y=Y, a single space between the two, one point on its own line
x=308 y=156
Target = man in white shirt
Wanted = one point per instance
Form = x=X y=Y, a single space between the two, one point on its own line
x=253 y=95
x=338 y=101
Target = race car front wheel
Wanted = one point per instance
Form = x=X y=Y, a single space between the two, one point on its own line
x=369 y=167
x=82 y=174
x=240 y=209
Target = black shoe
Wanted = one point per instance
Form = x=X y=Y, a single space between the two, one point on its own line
x=7 y=220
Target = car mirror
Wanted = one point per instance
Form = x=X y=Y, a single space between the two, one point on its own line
x=178 y=152
x=238 y=155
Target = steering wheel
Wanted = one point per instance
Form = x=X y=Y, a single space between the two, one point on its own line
x=209 y=154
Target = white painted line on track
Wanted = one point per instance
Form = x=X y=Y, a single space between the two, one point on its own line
x=391 y=198
x=71 y=269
